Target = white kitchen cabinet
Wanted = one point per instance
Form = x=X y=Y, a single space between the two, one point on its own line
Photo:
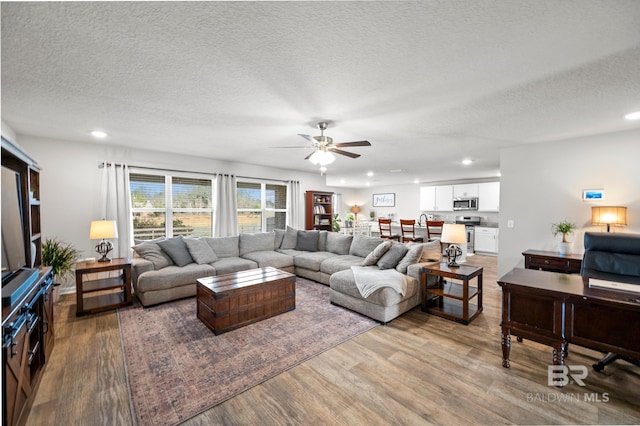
x=468 y=190
x=489 y=197
x=486 y=239
x=436 y=198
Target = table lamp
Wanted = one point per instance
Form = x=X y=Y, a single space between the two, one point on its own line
x=102 y=229
x=355 y=209
x=609 y=215
x=454 y=234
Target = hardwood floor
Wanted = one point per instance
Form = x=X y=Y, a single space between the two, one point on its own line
x=419 y=369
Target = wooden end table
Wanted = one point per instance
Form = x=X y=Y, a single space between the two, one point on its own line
x=552 y=261
x=102 y=294
x=452 y=300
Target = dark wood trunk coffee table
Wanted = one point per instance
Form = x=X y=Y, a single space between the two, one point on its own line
x=229 y=301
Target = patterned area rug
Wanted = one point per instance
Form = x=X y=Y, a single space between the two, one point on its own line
x=177 y=367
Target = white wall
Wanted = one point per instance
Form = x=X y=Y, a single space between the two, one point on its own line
x=542 y=183
x=70 y=181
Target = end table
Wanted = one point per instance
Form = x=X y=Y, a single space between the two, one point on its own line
x=103 y=293
x=452 y=300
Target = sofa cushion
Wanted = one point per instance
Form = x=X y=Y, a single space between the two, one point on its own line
x=339 y=263
x=362 y=245
x=290 y=239
x=307 y=240
x=177 y=250
x=373 y=257
x=322 y=241
x=279 y=236
x=225 y=246
x=261 y=241
x=393 y=256
x=339 y=243
x=312 y=260
x=153 y=253
x=173 y=276
x=270 y=258
x=227 y=265
x=344 y=282
x=412 y=256
x=200 y=251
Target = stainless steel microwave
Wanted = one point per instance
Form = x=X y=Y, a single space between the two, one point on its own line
x=465 y=204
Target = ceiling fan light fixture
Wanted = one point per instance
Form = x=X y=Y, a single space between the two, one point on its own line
x=322 y=158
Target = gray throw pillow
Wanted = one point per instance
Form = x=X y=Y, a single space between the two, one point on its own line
x=373 y=257
x=412 y=256
x=338 y=243
x=200 y=251
x=260 y=241
x=393 y=256
x=177 y=251
x=307 y=240
x=279 y=237
x=362 y=245
x=290 y=238
x=154 y=254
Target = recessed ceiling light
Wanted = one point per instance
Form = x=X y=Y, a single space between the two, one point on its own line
x=416 y=181
x=369 y=174
x=633 y=116
x=466 y=161
x=498 y=174
x=98 y=134
x=368 y=184
x=396 y=171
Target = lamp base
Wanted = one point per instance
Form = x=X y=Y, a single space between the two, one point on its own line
x=453 y=252
x=103 y=248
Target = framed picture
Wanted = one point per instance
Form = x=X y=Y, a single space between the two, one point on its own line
x=593 y=195
x=384 y=200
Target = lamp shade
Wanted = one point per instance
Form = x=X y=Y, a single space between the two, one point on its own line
x=101 y=229
x=608 y=215
x=355 y=209
x=453 y=234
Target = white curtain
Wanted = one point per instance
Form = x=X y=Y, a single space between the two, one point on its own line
x=295 y=218
x=226 y=206
x=338 y=207
x=116 y=205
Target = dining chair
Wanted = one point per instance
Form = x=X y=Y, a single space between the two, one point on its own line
x=385 y=229
x=434 y=231
x=407 y=226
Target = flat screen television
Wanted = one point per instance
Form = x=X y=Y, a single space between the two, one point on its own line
x=13 y=241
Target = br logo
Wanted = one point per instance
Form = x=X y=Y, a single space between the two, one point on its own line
x=561 y=375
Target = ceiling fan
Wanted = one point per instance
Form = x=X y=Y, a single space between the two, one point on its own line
x=324 y=147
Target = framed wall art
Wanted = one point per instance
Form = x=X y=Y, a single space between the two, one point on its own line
x=593 y=195
x=384 y=200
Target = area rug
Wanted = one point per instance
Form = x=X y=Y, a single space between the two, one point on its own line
x=177 y=368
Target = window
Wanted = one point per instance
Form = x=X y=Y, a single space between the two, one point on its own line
x=169 y=206
x=262 y=207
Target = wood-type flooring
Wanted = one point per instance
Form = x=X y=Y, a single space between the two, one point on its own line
x=419 y=369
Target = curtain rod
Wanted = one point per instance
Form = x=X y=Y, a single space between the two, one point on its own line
x=101 y=165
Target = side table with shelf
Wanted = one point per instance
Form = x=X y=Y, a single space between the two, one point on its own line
x=101 y=294
x=552 y=261
x=452 y=300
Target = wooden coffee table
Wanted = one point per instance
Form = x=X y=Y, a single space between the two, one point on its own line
x=229 y=301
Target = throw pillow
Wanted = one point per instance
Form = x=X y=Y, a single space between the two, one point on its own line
x=154 y=254
x=373 y=257
x=279 y=237
x=412 y=256
x=362 y=245
x=431 y=252
x=394 y=255
x=307 y=240
x=177 y=251
x=200 y=251
x=290 y=239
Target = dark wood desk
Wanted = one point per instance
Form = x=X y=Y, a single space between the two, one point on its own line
x=556 y=309
x=552 y=261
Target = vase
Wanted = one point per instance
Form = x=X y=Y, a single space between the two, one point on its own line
x=565 y=248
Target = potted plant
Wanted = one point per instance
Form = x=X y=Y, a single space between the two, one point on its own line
x=348 y=221
x=565 y=228
x=62 y=258
x=372 y=215
x=336 y=223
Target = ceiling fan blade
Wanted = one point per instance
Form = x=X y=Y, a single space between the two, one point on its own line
x=308 y=156
x=309 y=138
x=341 y=152
x=306 y=147
x=357 y=143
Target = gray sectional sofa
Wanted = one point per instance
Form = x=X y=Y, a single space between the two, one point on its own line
x=167 y=269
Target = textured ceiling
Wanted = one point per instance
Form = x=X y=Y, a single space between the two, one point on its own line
x=427 y=83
